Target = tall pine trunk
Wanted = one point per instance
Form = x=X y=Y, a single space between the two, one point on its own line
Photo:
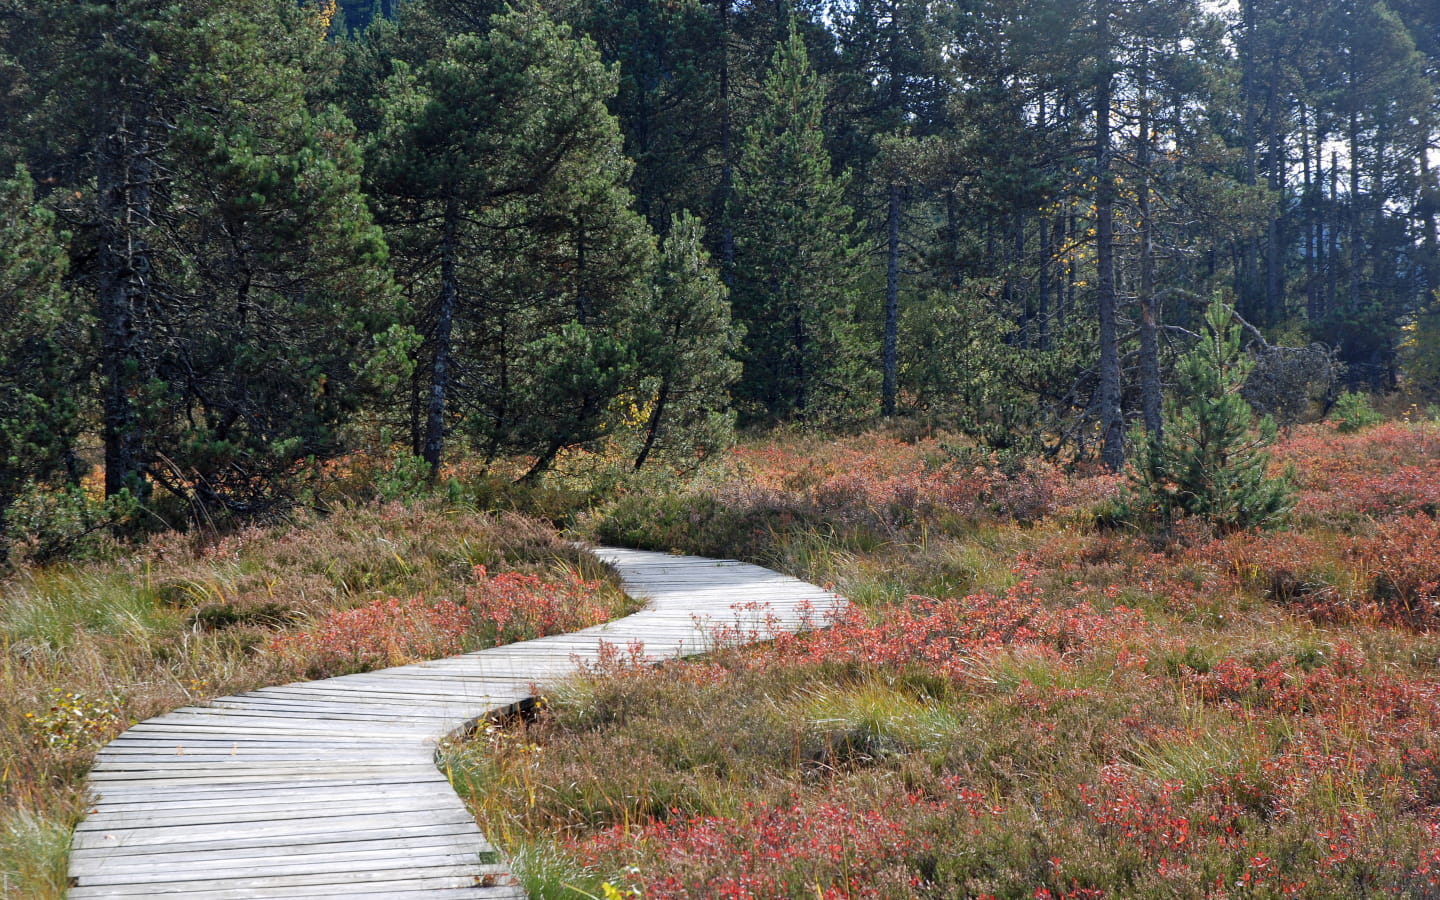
x=892 y=303
x=1274 y=261
x=1112 y=420
x=1045 y=276
x=124 y=175
x=1426 y=211
x=1247 y=272
x=1150 y=394
x=1332 y=275
x=1356 y=260
x=444 y=325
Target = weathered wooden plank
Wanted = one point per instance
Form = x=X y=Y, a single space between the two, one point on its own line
x=442 y=887
x=399 y=782
x=318 y=844
x=330 y=812
x=415 y=797
x=262 y=886
x=320 y=707
x=399 y=840
x=116 y=845
x=147 y=870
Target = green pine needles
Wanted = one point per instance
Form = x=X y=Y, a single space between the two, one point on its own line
x=796 y=259
x=1212 y=460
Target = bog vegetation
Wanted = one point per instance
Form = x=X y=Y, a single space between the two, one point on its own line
x=1072 y=339
x=1029 y=699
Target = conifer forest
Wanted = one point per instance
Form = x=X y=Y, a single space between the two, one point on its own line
x=242 y=238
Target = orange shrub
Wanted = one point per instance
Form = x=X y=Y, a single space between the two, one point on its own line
x=511 y=607
x=1300 y=570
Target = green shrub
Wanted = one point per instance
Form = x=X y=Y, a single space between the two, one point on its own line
x=1353 y=411
x=1212 y=461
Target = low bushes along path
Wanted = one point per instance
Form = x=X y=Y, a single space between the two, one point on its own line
x=330 y=787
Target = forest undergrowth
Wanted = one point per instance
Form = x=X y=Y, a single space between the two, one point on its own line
x=1025 y=701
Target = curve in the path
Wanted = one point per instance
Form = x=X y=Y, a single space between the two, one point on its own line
x=329 y=788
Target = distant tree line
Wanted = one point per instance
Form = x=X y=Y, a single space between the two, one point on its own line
x=239 y=233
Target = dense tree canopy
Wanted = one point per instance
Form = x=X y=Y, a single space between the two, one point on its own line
x=246 y=231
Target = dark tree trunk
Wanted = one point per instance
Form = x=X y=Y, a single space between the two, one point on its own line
x=1247 y=272
x=1027 y=313
x=1356 y=260
x=1067 y=302
x=1112 y=420
x=124 y=174
x=892 y=304
x=652 y=427
x=1043 y=300
x=1274 y=240
x=1426 y=211
x=444 y=325
x=1150 y=393
x=1045 y=275
x=1310 y=186
x=1332 y=275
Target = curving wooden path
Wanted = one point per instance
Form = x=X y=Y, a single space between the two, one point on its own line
x=329 y=788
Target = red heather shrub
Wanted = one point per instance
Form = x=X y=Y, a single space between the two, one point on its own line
x=1402 y=563
x=1341 y=719
x=827 y=851
x=1297 y=569
x=511 y=607
x=878 y=480
x=497 y=609
x=947 y=635
x=1139 y=812
x=1391 y=469
x=1086 y=487
x=381 y=633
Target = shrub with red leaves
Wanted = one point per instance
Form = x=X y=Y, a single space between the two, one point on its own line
x=1391 y=469
x=497 y=609
x=949 y=634
x=1402 y=562
x=511 y=606
x=834 y=850
x=381 y=633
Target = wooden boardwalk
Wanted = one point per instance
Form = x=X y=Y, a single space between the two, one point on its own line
x=329 y=788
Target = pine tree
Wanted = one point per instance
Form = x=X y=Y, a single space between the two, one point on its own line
x=499 y=174
x=239 y=286
x=795 y=258
x=667 y=53
x=1212 y=461
x=894 y=87
x=688 y=349
x=42 y=345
